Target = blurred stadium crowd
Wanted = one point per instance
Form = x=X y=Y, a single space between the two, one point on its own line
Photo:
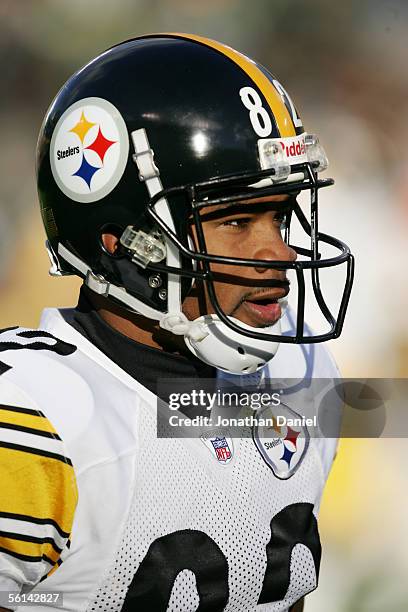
x=344 y=65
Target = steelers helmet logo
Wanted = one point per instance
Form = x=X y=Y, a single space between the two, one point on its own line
x=89 y=150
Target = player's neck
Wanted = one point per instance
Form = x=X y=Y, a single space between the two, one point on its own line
x=145 y=334
x=136 y=327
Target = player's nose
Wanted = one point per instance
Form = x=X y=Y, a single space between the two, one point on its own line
x=274 y=249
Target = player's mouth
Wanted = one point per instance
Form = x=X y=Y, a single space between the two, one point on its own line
x=264 y=308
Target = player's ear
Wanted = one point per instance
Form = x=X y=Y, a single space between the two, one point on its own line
x=110 y=243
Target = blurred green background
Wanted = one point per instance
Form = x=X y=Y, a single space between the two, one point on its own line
x=344 y=64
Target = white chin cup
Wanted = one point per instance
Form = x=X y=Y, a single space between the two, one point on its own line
x=229 y=350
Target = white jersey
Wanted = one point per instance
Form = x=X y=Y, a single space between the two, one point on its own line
x=99 y=509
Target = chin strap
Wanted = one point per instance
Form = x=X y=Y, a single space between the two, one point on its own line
x=174 y=322
x=103 y=287
x=178 y=324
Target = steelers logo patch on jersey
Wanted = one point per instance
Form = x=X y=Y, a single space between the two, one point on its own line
x=89 y=150
x=282 y=445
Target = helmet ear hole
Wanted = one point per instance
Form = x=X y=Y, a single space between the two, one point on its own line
x=241 y=351
x=109 y=237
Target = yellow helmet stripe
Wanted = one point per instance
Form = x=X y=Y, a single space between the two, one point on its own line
x=278 y=108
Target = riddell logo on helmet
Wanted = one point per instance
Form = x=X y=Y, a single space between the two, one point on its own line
x=295 y=149
x=89 y=150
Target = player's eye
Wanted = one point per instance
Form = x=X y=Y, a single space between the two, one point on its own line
x=281 y=220
x=236 y=223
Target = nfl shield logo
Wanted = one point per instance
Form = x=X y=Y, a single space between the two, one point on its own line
x=222 y=449
x=283 y=448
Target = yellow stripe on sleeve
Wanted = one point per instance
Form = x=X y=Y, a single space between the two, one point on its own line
x=37 y=486
x=29 y=549
x=26 y=420
x=52 y=570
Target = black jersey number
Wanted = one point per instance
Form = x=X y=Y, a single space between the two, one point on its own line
x=167 y=556
x=58 y=346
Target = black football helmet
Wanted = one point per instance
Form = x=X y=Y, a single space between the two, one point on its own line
x=137 y=143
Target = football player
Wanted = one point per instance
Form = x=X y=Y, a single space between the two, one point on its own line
x=168 y=174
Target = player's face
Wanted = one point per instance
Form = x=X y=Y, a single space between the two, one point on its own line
x=252 y=231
